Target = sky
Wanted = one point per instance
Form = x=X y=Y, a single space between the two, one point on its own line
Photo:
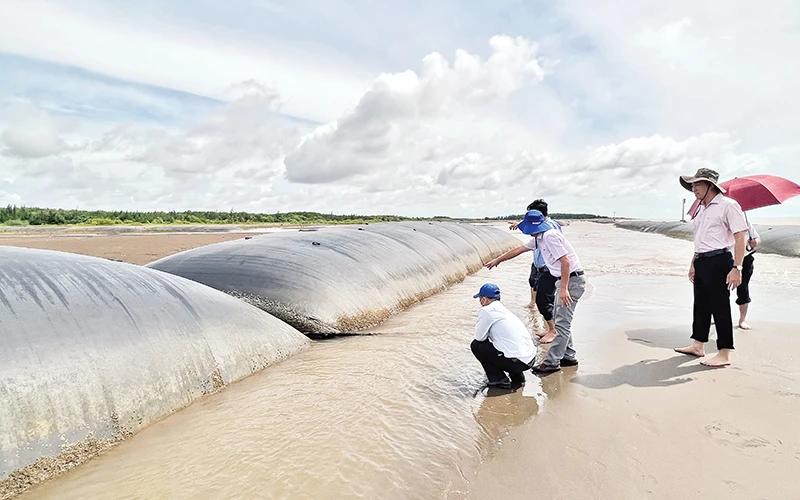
x=459 y=108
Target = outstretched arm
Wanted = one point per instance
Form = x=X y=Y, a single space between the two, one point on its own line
x=506 y=256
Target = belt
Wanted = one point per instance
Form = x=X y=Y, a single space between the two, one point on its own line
x=575 y=273
x=712 y=253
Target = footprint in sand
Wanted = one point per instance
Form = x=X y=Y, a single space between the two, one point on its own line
x=726 y=434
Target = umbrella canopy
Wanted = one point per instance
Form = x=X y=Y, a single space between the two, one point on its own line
x=756 y=191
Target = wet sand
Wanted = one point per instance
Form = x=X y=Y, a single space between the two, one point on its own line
x=137 y=248
x=401 y=415
x=637 y=420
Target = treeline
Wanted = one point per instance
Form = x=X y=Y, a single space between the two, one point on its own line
x=552 y=216
x=13 y=215
x=23 y=216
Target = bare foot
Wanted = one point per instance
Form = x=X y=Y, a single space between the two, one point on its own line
x=721 y=359
x=548 y=338
x=542 y=334
x=692 y=350
x=744 y=325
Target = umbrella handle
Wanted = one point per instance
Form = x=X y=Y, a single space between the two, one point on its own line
x=749 y=236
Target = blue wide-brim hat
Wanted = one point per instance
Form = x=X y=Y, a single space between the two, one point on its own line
x=534 y=223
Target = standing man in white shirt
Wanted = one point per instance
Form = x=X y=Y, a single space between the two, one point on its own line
x=719 y=225
x=543 y=284
x=502 y=342
x=563 y=264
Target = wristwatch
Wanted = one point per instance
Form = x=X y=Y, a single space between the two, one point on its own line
x=738 y=268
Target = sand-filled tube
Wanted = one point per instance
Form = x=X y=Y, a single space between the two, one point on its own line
x=780 y=240
x=93 y=350
x=342 y=279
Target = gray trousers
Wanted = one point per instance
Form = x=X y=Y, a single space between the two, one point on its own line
x=562 y=345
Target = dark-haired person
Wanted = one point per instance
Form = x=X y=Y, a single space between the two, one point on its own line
x=718 y=225
x=563 y=263
x=543 y=284
x=502 y=343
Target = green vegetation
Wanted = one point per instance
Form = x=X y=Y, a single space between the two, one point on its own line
x=34 y=216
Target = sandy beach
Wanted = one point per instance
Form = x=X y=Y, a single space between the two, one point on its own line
x=635 y=420
x=137 y=248
x=638 y=420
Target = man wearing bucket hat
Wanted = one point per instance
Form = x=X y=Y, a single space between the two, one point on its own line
x=543 y=284
x=718 y=225
x=563 y=264
x=502 y=343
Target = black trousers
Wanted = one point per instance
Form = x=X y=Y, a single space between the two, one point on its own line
x=712 y=298
x=546 y=293
x=496 y=365
x=533 y=279
x=743 y=290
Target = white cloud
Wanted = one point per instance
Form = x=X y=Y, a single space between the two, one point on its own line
x=469 y=170
x=689 y=69
x=141 y=48
x=31 y=133
x=7 y=198
x=391 y=126
x=226 y=159
x=247 y=132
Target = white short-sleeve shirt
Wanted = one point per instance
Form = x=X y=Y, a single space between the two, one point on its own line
x=553 y=246
x=716 y=223
x=506 y=331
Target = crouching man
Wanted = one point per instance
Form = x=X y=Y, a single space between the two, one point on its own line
x=502 y=343
x=562 y=261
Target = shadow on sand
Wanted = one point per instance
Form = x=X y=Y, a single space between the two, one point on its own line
x=663 y=338
x=650 y=372
x=645 y=373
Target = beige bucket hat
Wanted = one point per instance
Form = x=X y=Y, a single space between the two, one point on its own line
x=703 y=174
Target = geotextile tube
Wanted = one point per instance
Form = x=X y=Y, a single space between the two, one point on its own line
x=780 y=240
x=93 y=350
x=342 y=279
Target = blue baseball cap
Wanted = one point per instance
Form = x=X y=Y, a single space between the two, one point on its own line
x=534 y=223
x=489 y=290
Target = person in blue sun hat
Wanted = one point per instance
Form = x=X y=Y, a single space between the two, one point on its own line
x=502 y=343
x=564 y=265
x=543 y=284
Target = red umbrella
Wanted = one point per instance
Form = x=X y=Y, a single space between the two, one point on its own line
x=756 y=191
